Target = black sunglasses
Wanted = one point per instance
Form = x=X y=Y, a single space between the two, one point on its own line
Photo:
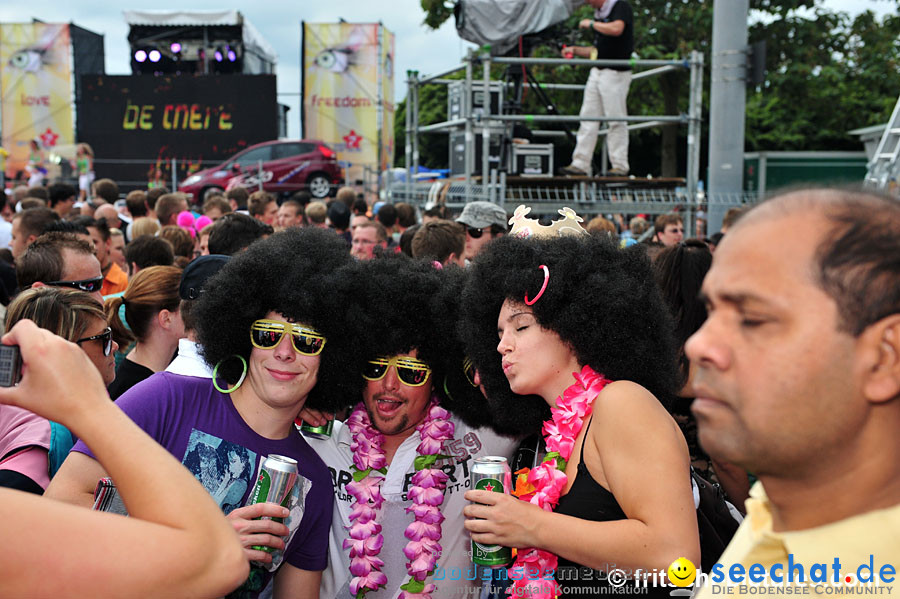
x=474 y=233
x=105 y=337
x=88 y=285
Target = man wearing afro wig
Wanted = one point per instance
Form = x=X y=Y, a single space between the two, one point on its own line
x=402 y=460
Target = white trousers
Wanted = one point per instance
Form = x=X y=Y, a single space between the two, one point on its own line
x=604 y=95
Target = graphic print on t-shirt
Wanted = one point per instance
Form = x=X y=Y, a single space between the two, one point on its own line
x=224 y=469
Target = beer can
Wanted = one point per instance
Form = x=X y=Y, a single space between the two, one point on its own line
x=317 y=432
x=277 y=475
x=491 y=473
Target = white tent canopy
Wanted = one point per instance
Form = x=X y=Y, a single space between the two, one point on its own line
x=198 y=18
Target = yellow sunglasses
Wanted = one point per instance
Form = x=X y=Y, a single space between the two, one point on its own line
x=266 y=334
x=410 y=371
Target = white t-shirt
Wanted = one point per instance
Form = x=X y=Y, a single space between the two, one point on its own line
x=455 y=565
x=189 y=362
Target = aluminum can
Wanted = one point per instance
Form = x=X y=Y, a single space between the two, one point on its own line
x=491 y=473
x=317 y=432
x=277 y=475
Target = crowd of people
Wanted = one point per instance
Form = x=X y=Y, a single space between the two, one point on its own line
x=617 y=367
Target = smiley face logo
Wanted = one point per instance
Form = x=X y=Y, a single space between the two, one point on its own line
x=681 y=572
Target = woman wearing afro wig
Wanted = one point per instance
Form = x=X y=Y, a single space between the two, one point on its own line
x=573 y=331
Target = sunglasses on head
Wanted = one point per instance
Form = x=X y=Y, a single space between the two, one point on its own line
x=475 y=233
x=266 y=334
x=410 y=371
x=105 y=338
x=88 y=285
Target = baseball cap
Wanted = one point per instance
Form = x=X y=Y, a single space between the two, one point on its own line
x=197 y=272
x=483 y=214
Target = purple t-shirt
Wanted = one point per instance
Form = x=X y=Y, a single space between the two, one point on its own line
x=201 y=426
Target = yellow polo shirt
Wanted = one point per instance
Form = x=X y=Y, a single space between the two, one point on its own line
x=866 y=546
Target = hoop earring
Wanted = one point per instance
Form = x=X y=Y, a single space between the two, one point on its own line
x=240 y=380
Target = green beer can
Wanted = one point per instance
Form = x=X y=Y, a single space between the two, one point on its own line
x=317 y=432
x=491 y=473
x=277 y=475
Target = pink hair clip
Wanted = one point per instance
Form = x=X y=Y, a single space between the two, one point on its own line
x=546 y=270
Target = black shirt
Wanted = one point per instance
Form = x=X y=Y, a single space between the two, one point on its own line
x=617 y=47
x=128 y=375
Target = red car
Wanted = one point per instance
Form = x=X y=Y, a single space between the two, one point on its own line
x=287 y=166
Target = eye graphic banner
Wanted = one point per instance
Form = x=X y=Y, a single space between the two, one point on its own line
x=35 y=95
x=347 y=90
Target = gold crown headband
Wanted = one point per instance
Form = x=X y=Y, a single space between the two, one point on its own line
x=524 y=227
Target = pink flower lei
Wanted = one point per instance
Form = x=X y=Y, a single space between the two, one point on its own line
x=427 y=494
x=549 y=479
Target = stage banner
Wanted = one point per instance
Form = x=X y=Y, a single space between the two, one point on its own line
x=387 y=93
x=137 y=124
x=35 y=96
x=343 y=65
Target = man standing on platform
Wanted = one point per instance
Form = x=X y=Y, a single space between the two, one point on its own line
x=607 y=88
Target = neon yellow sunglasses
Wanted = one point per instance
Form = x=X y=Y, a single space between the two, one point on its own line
x=410 y=371
x=266 y=334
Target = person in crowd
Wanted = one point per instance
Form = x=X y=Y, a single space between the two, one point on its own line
x=37 y=164
x=189 y=361
x=443 y=241
x=5 y=226
x=606 y=90
x=62 y=198
x=669 y=229
x=598 y=224
x=167 y=208
x=203 y=239
x=339 y=218
x=60 y=260
x=146 y=251
x=270 y=325
x=41 y=446
x=732 y=216
x=234 y=232
x=290 y=214
x=584 y=339
x=360 y=207
x=797 y=380
x=136 y=203
x=346 y=196
x=117 y=248
x=387 y=216
x=406 y=217
x=144 y=226
x=679 y=272
x=484 y=222
x=237 y=199
x=27 y=226
x=114 y=219
x=262 y=206
x=317 y=214
x=154 y=325
x=411 y=400
x=366 y=237
x=175 y=543
x=182 y=243
x=115 y=280
x=215 y=207
x=105 y=190
x=84 y=166
x=407 y=238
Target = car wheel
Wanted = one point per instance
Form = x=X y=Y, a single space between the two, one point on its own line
x=211 y=191
x=319 y=186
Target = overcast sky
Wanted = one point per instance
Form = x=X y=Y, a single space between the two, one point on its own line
x=417 y=47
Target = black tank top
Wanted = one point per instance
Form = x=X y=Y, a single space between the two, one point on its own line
x=589 y=500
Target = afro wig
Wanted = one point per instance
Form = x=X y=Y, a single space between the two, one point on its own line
x=399 y=304
x=603 y=302
x=289 y=273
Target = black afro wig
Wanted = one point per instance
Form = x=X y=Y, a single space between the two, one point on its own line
x=290 y=273
x=600 y=300
x=398 y=304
